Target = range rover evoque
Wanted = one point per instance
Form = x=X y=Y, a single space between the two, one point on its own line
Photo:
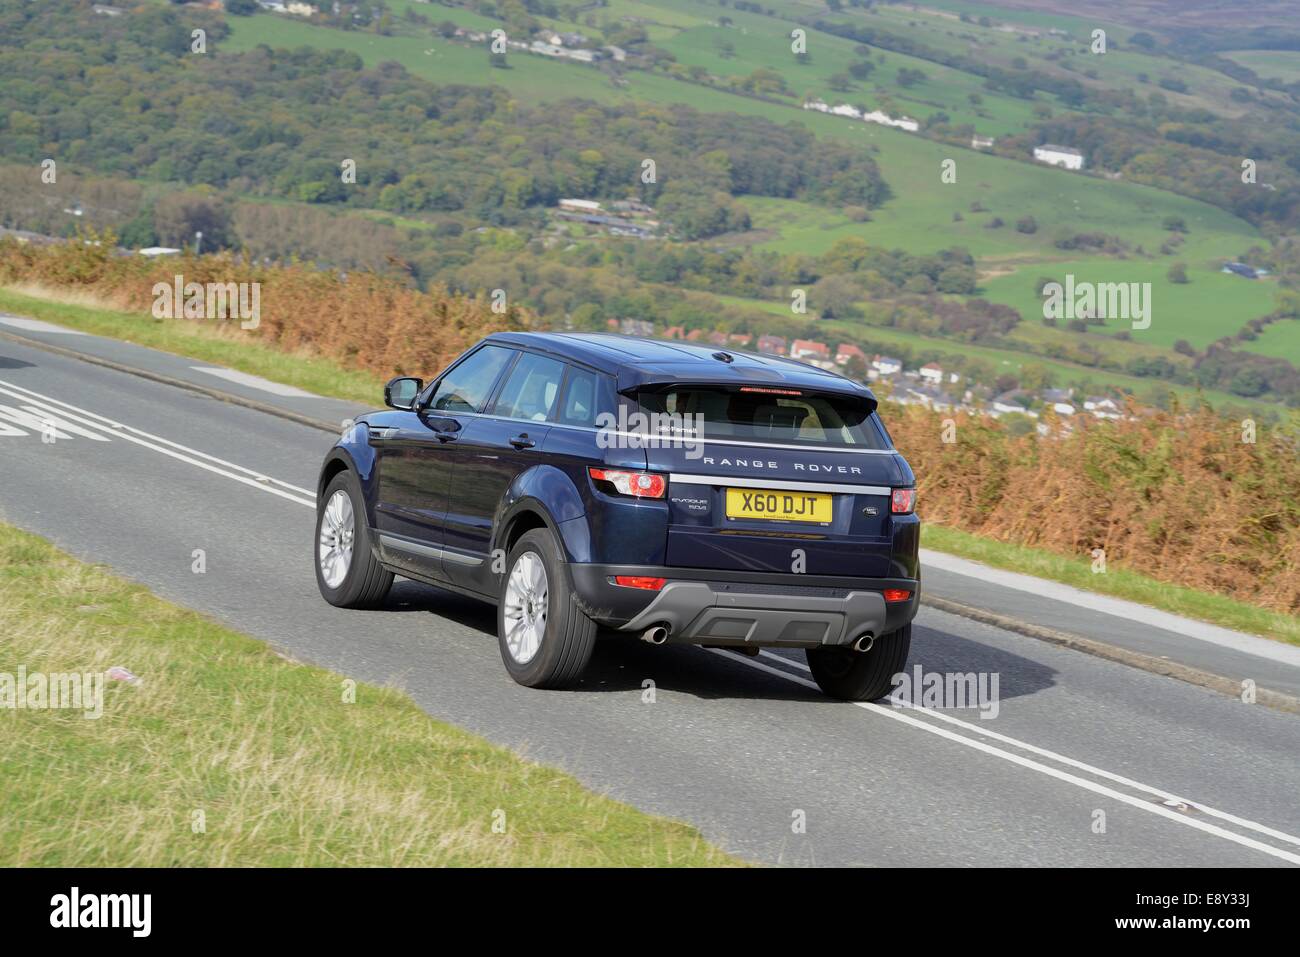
x=536 y=473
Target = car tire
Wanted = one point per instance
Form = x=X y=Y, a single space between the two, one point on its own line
x=545 y=638
x=852 y=675
x=346 y=570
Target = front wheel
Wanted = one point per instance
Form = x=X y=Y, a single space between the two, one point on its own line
x=546 y=640
x=346 y=572
x=861 y=676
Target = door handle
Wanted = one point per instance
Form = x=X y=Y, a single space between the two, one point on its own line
x=522 y=441
x=445 y=436
x=386 y=433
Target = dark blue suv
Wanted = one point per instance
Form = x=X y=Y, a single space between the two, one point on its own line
x=671 y=491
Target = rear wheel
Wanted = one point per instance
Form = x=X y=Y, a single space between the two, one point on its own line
x=852 y=675
x=546 y=640
x=346 y=571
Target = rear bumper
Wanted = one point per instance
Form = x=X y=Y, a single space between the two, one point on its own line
x=704 y=606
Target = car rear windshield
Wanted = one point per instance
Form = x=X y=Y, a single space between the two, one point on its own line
x=767 y=415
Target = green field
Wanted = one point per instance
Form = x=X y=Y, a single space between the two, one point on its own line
x=1271 y=64
x=925 y=214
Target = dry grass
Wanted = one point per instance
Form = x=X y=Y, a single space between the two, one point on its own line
x=284 y=771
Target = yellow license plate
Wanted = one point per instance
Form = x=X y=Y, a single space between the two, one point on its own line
x=778 y=504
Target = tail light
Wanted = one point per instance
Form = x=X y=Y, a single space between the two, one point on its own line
x=640 y=581
x=897 y=594
x=903 y=501
x=635 y=484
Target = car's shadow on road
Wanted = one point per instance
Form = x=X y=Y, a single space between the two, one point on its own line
x=622 y=662
x=8 y=363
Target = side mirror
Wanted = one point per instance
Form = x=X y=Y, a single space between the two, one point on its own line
x=400 y=393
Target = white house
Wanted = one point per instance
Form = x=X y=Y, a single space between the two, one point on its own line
x=887 y=365
x=299 y=9
x=1063 y=408
x=821 y=106
x=981 y=142
x=580 y=205
x=846 y=109
x=932 y=372
x=1102 y=407
x=159 y=251
x=1059 y=156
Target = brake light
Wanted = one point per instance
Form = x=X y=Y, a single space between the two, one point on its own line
x=897 y=594
x=903 y=501
x=766 y=391
x=640 y=581
x=636 y=484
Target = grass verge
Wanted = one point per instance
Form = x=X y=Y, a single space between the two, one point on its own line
x=283 y=771
x=1117 y=582
x=207 y=343
x=327 y=378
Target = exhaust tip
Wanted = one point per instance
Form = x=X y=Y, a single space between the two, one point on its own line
x=864 y=642
x=655 y=634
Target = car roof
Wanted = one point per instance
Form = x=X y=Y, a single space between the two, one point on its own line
x=636 y=362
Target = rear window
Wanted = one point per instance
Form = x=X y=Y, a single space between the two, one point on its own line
x=770 y=415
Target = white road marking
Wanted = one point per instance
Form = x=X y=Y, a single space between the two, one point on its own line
x=267 y=484
x=35 y=325
x=971 y=726
x=173 y=449
x=41 y=420
x=1060 y=775
x=255 y=382
x=1119 y=607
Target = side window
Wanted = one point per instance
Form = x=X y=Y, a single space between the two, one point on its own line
x=466 y=387
x=583 y=398
x=531 y=389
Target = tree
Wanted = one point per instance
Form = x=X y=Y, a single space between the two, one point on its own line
x=1177 y=273
x=241 y=8
x=1027 y=225
x=861 y=69
x=907 y=77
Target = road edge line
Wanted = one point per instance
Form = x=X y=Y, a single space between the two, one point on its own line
x=158 y=377
x=1275 y=700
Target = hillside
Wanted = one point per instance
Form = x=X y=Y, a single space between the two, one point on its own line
x=773 y=196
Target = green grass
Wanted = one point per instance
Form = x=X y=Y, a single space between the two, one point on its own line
x=207 y=343
x=1117 y=582
x=283 y=770
x=1211 y=305
x=1008 y=361
x=1276 y=64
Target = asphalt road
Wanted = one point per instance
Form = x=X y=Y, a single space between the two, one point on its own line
x=744 y=748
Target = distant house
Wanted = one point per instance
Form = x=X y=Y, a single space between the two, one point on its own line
x=741 y=339
x=1009 y=402
x=1102 y=407
x=617 y=53
x=1063 y=408
x=695 y=335
x=771 y=345
x=846 y=109
x=106 y=11
x=546 y=49
x=717 y=338
x=809 y=349
x=674 y=332
x=1241 y=269
x=1059 y=156
x=981 y=142
x=300 y=9
x=1058 y=395
x=887 y=365
x=159 y=251
x=846 y=351
x=932 y=372
x=821 y=106
x=580 y=205
x=637 y=327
